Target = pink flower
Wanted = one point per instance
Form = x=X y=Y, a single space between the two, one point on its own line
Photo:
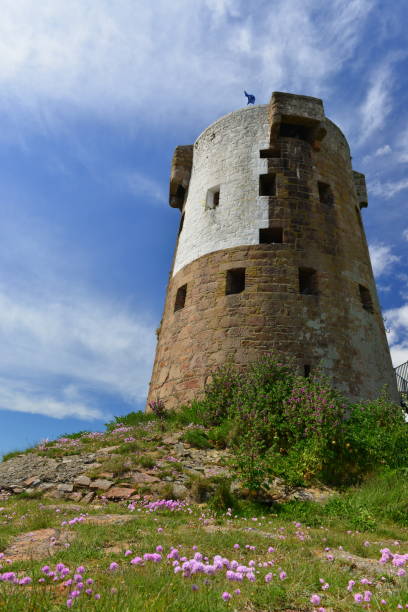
x=268 y=577
x=113 y=566
x=127 y=553
x=358 y=598
x=315 y=600
x=282 y=575
x=226 y=596
x=69 y=603
x=367 y=595
x=237 y=591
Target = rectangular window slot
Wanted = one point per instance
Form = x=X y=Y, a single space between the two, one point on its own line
x=306 y=370
x=267 y=185
x=180 y=298
x=181 y=224
x=270 y=235
x=235 y=281
x=213 y=198
x=308 y=281
x=365 y=297
x=325 y=194
x=270 y=153
x=294 y=130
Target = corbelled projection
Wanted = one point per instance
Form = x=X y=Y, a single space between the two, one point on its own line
x=271 y=255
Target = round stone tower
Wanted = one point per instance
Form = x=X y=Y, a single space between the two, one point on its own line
x=271 y=255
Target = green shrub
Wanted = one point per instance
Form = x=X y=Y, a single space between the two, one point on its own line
x=301 y=429
x=133 y=419
x=197 y=438
x=221 y=435
x=201 y=489
x=147 y=462
x=128 y=447
x=223 y=498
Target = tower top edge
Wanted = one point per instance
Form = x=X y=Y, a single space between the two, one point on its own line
x=245 y=109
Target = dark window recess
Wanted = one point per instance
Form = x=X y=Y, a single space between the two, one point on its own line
x=181 y=224
x=306 y=370
x=235 y=281
x=270 y=235
x=267 y=184
x=180 y=298
x=365 y=298
x=308 y=281
x=292 y=130
x=180 y=193
x=213 y=198
x=325 y=194
x=270 y=153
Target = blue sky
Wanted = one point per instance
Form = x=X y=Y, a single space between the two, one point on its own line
x=94 y=96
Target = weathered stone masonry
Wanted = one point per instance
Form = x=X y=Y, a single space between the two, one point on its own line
x=271 y=255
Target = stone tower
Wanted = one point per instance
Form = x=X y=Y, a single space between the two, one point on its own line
x=271 y=255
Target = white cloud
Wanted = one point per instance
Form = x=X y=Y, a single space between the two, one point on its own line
x=397 y=321
x=378 y=102
x=405 y=234
x=140 y=184
x=160 y=61
x=382 y=151
x=382 y=259
x=20 y=396
x=388 y=189
x=62 y=343
x=98 y=345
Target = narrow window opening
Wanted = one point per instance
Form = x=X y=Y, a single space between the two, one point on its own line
x=180 y=193
x=325 y=194
x=270 y=153
x=293 y=130
x=181 y=224
x=365 y=297
x=213 y=198
x=267 y=185
x=180 y=298
x=235 y=281
x=270 y=235
x=306 y=370
x=308 y=281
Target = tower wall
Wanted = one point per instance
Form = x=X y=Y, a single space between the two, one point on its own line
x=309 y=294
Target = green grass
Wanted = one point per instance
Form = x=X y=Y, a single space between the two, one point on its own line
x=156 y=587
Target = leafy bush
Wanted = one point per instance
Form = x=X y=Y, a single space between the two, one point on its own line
x=223 y=498
x=197 y=438
x=301 y=429
x=220 y=436
x=201 y=489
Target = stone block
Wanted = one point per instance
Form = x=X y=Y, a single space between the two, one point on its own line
x=101 y=484
x=82 y=481
x=119 y=493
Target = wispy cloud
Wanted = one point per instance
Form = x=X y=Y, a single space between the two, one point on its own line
x=388 y=189
x=62 y=342
x=141 y=185
x=161 y=61
x=382 y=259
x=377 y=104
x=405 y=234
x=96 y=345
